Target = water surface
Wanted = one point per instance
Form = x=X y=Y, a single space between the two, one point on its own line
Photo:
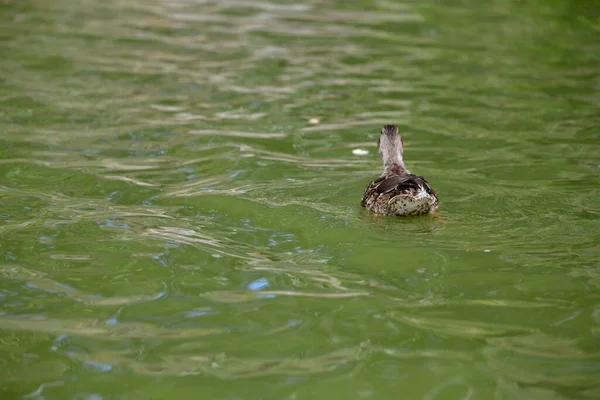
x=179 y=200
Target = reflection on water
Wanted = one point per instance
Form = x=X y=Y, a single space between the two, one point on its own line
x=180 y=187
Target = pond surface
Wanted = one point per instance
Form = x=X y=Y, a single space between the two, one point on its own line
x=179 y=200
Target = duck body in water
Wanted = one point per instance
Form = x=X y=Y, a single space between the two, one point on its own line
x=397 y=191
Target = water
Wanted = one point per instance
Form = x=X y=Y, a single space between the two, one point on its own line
x=180 y=200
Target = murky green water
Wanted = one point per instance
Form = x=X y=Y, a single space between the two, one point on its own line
x=174 y=226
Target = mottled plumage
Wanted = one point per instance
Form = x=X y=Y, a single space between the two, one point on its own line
x=397 y=191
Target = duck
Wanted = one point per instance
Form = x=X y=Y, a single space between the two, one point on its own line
x=398 y=192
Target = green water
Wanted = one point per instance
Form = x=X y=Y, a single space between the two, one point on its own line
x=179 y=200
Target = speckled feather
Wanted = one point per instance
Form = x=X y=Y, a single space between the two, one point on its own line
x=401 y=195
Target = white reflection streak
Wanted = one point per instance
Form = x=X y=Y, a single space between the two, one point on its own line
x=308 y=294
x=315 y=275
x=130 y=180
x=41 y=388
x=190 y=237
x=257 y=135
x=39 y=281
x=457 y=380
x=99 y=329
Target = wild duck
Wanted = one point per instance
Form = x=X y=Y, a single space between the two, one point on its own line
x=397 y=191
